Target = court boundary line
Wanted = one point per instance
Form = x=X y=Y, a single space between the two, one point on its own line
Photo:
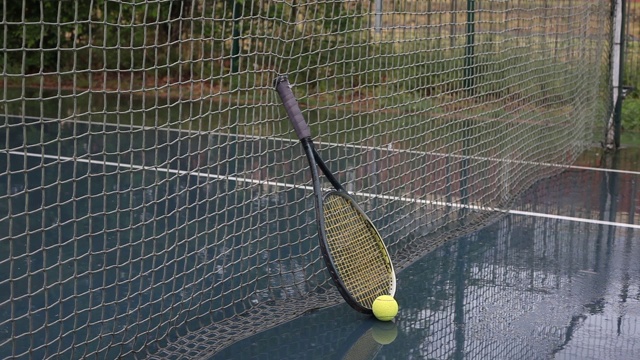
x=310 y=188
x=422 y=153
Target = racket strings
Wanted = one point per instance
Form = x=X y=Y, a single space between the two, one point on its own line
x=357 y=250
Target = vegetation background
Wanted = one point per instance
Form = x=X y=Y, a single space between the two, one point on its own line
x=50 y=45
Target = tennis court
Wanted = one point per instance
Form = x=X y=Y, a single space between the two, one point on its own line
x=100 y=221
x=66 y=194
x=155 y=202
x=560 y=284
x=107 y=222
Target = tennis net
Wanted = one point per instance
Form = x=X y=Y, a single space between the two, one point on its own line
x=152 y=192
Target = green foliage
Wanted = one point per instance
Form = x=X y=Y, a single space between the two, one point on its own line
x=328 y=45
x=171 y=39
x=36 y=36
x=631 y=114
x=131 y=35
x=327 y=41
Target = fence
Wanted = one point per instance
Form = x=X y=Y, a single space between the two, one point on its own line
x=153 y=200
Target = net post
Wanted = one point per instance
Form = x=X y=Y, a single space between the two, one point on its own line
x=621 y=92
x=469 y=88
x=614 y=125
x=378 y=16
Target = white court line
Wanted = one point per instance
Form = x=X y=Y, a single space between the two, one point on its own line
x=361 y=147
x=157 y=168
x=571 y=218
x=310 y=188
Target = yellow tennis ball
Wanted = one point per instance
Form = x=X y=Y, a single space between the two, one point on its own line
x=385 y=308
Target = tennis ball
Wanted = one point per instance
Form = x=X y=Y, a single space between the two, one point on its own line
x=385 y=308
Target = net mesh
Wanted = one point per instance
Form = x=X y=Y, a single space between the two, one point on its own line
x=154 y=200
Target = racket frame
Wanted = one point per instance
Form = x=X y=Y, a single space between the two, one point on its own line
x=315 y=162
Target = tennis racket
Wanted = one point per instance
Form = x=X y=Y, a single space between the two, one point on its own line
x=351 y=246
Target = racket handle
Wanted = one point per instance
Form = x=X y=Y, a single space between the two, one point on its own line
x=291 y=106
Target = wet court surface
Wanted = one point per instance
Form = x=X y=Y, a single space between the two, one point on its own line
x=561 y=282
x=524 y=287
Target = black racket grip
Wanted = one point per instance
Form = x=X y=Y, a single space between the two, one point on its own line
x=291 y=106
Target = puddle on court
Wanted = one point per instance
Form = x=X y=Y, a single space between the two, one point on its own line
x=523 y=287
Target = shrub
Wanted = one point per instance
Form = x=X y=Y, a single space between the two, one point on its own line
x=631 y=114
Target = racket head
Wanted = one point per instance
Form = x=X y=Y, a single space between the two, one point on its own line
x=355 y=252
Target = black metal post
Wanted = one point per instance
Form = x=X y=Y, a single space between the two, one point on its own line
x=617 y=115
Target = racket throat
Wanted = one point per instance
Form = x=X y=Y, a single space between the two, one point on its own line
x=308 y=143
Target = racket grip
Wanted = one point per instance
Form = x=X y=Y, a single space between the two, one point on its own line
x=291 y=106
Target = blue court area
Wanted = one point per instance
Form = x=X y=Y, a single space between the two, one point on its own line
x=524 y=287
x=126 y=244
x=112 y=239
x=517 y=289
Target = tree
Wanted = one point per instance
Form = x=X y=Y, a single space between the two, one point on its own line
x=109 y=34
